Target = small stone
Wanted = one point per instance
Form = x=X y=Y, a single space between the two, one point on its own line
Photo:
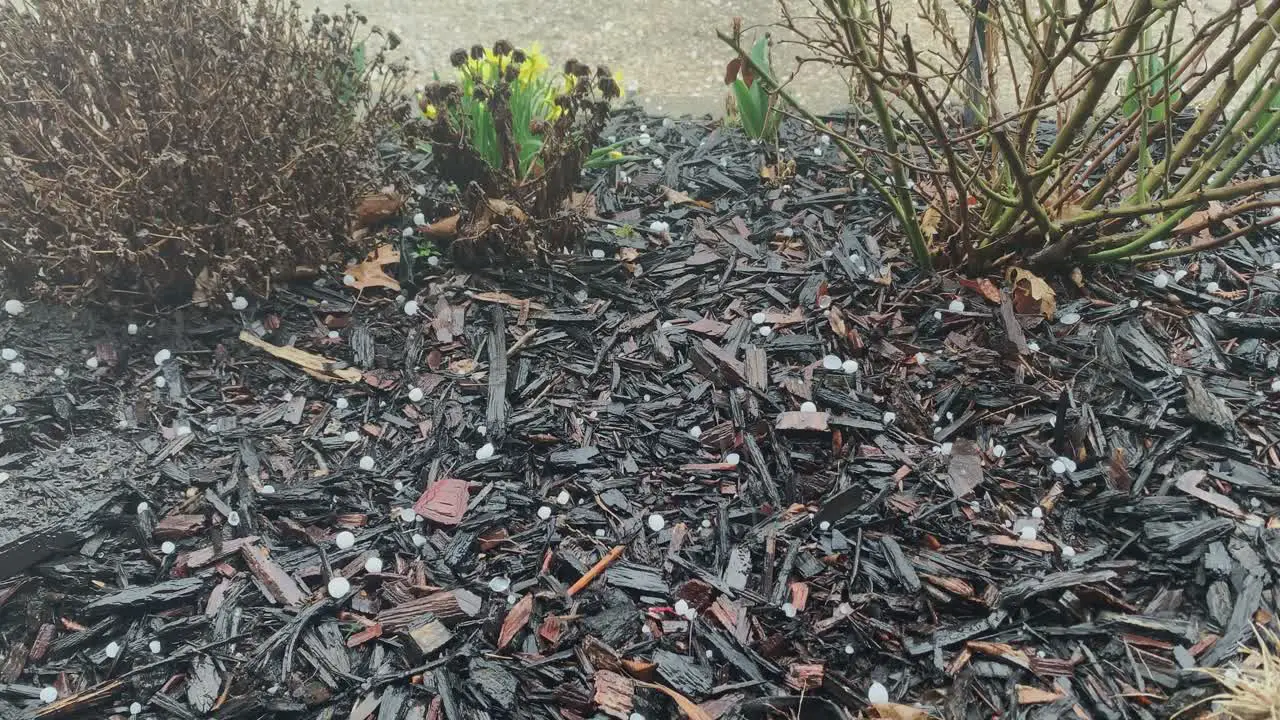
x=344 y=540
x=239 y=303
x=500 y=584
x=47 y=694
x=415 y=395
x=877 y=694
x=807 y=406
x=485 y=452
x=656 y=522
x=411 y=308
x=956 y=306
x=849 y=367
x=366 y=463
x=544 y=512
x=15 y=308
x=162 y=357
x=167 y=547
x=112 y=650
x=373 y=565
x=832 y=362
x=339 y=587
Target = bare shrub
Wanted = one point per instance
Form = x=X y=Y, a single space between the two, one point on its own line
x=148 y=143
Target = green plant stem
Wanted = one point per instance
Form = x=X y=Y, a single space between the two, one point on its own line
x=1219 y=180
x=1100 y=79
x=1198 y=247
x=1177 y=202
x=1025 y=189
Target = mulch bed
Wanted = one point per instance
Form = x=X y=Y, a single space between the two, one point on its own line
x=747 y=467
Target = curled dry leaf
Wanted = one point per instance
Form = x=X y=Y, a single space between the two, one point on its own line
x=983 y=287
x=443 y=228
x=369 y=273
x=515 y=620
x=930 y=221
x=1031 y=292
x=377 y=208
x=687 y=706
x=677 y=197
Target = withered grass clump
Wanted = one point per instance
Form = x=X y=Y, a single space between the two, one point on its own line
x=148 y=143
x=1251 y=691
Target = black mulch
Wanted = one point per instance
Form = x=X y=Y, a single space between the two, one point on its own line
x=994 y=515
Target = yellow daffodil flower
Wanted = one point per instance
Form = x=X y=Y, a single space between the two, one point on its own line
x=430 y=111
x=615 y=154
x=535 y=64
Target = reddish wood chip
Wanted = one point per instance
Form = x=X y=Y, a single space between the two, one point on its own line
x=515 y=620
x=445 y=502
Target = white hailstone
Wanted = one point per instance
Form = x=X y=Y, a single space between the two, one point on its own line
x=825 y=139
x=832 y=362
x=544 y=512
x=132 y=329
x=397 y=485
x=644 y=139
x=825 y=525
x=600 y=532
x=333 y=335
x=233 y=518
x=18 y=367
x=849 y=367
x=268 y=489
x=411 y=308
x=765 y=331
x=407 y=232
x=657 y=162
x=808 y=406
x=142 y=507
x=789 y=610
x=9 y=410
x=341 y=403
x=59 y=372
x=351 y=436
x=163 y=356
x=1159 y=245
x=889 y=417
x=1033 y=346
x=182 y=430
x=647 y=397
x=788 y=232
x=339 y=587
x=1161 y=280
x=1179 y=274
x=643 y=127
x=937 y=314
x=419 y=219
x=366 y=463
x=499 y=583
x=956 y=306
x=1275 y=387
x=945 y=448
x=1028 y=533
x=564 y=498
x=482 y=429
x=921 y=358
x=706 y=524
x=167 y=547
x=844 y=609
x=695 y=432
x=1037 y=512
x=1133 y=304
x=91 y=362
x=1059 y=466
x=154 y=647
x=14 y=307
x=408 y=515
x=1211 y=287
x=47 y=694
x=817 y=151
x=9 y=354
x=239 y=303
x=1068 y=551
x=597 y=253
x=415 y=394
x=635 y=716
x=759 y=318
x=419 y=539
x=433 y=260
x=135 y=708
x=112 y=650
x=658 y=226
x=1215 y=310
x=373 y=565
x=732 y=459
x=344 y=540
x=1069 y=318
x=681 y=607
x=485 y=452
x=657 y=522
x=877 y=694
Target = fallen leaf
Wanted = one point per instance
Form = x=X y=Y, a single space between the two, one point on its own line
x=444 y=228
x=1213 y=213
x=894 y=711
x=930 y=221
x=983 y=287
x=1029 y=695
x=1030 y=290
x=377 y=208
x=676 y=197
x=515 y=620
x=317 y=366
x=369 y=273
x=687 y=706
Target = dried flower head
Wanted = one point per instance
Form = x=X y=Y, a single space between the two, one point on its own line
x=518 y=56
x=477 y=52
x=458 y=58
x=502 y=47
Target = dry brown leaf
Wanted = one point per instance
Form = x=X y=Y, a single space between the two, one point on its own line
x=1213 y=213
x=369 y=273
x=377 y=208
x=1030 y=695
x=894 y=711
x=1030 y=290
x=677 y=197
x=930 y=221
x=687 y=706
x=983 y=287
x=515 y=620
x=317 y=366
x=445 y=228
